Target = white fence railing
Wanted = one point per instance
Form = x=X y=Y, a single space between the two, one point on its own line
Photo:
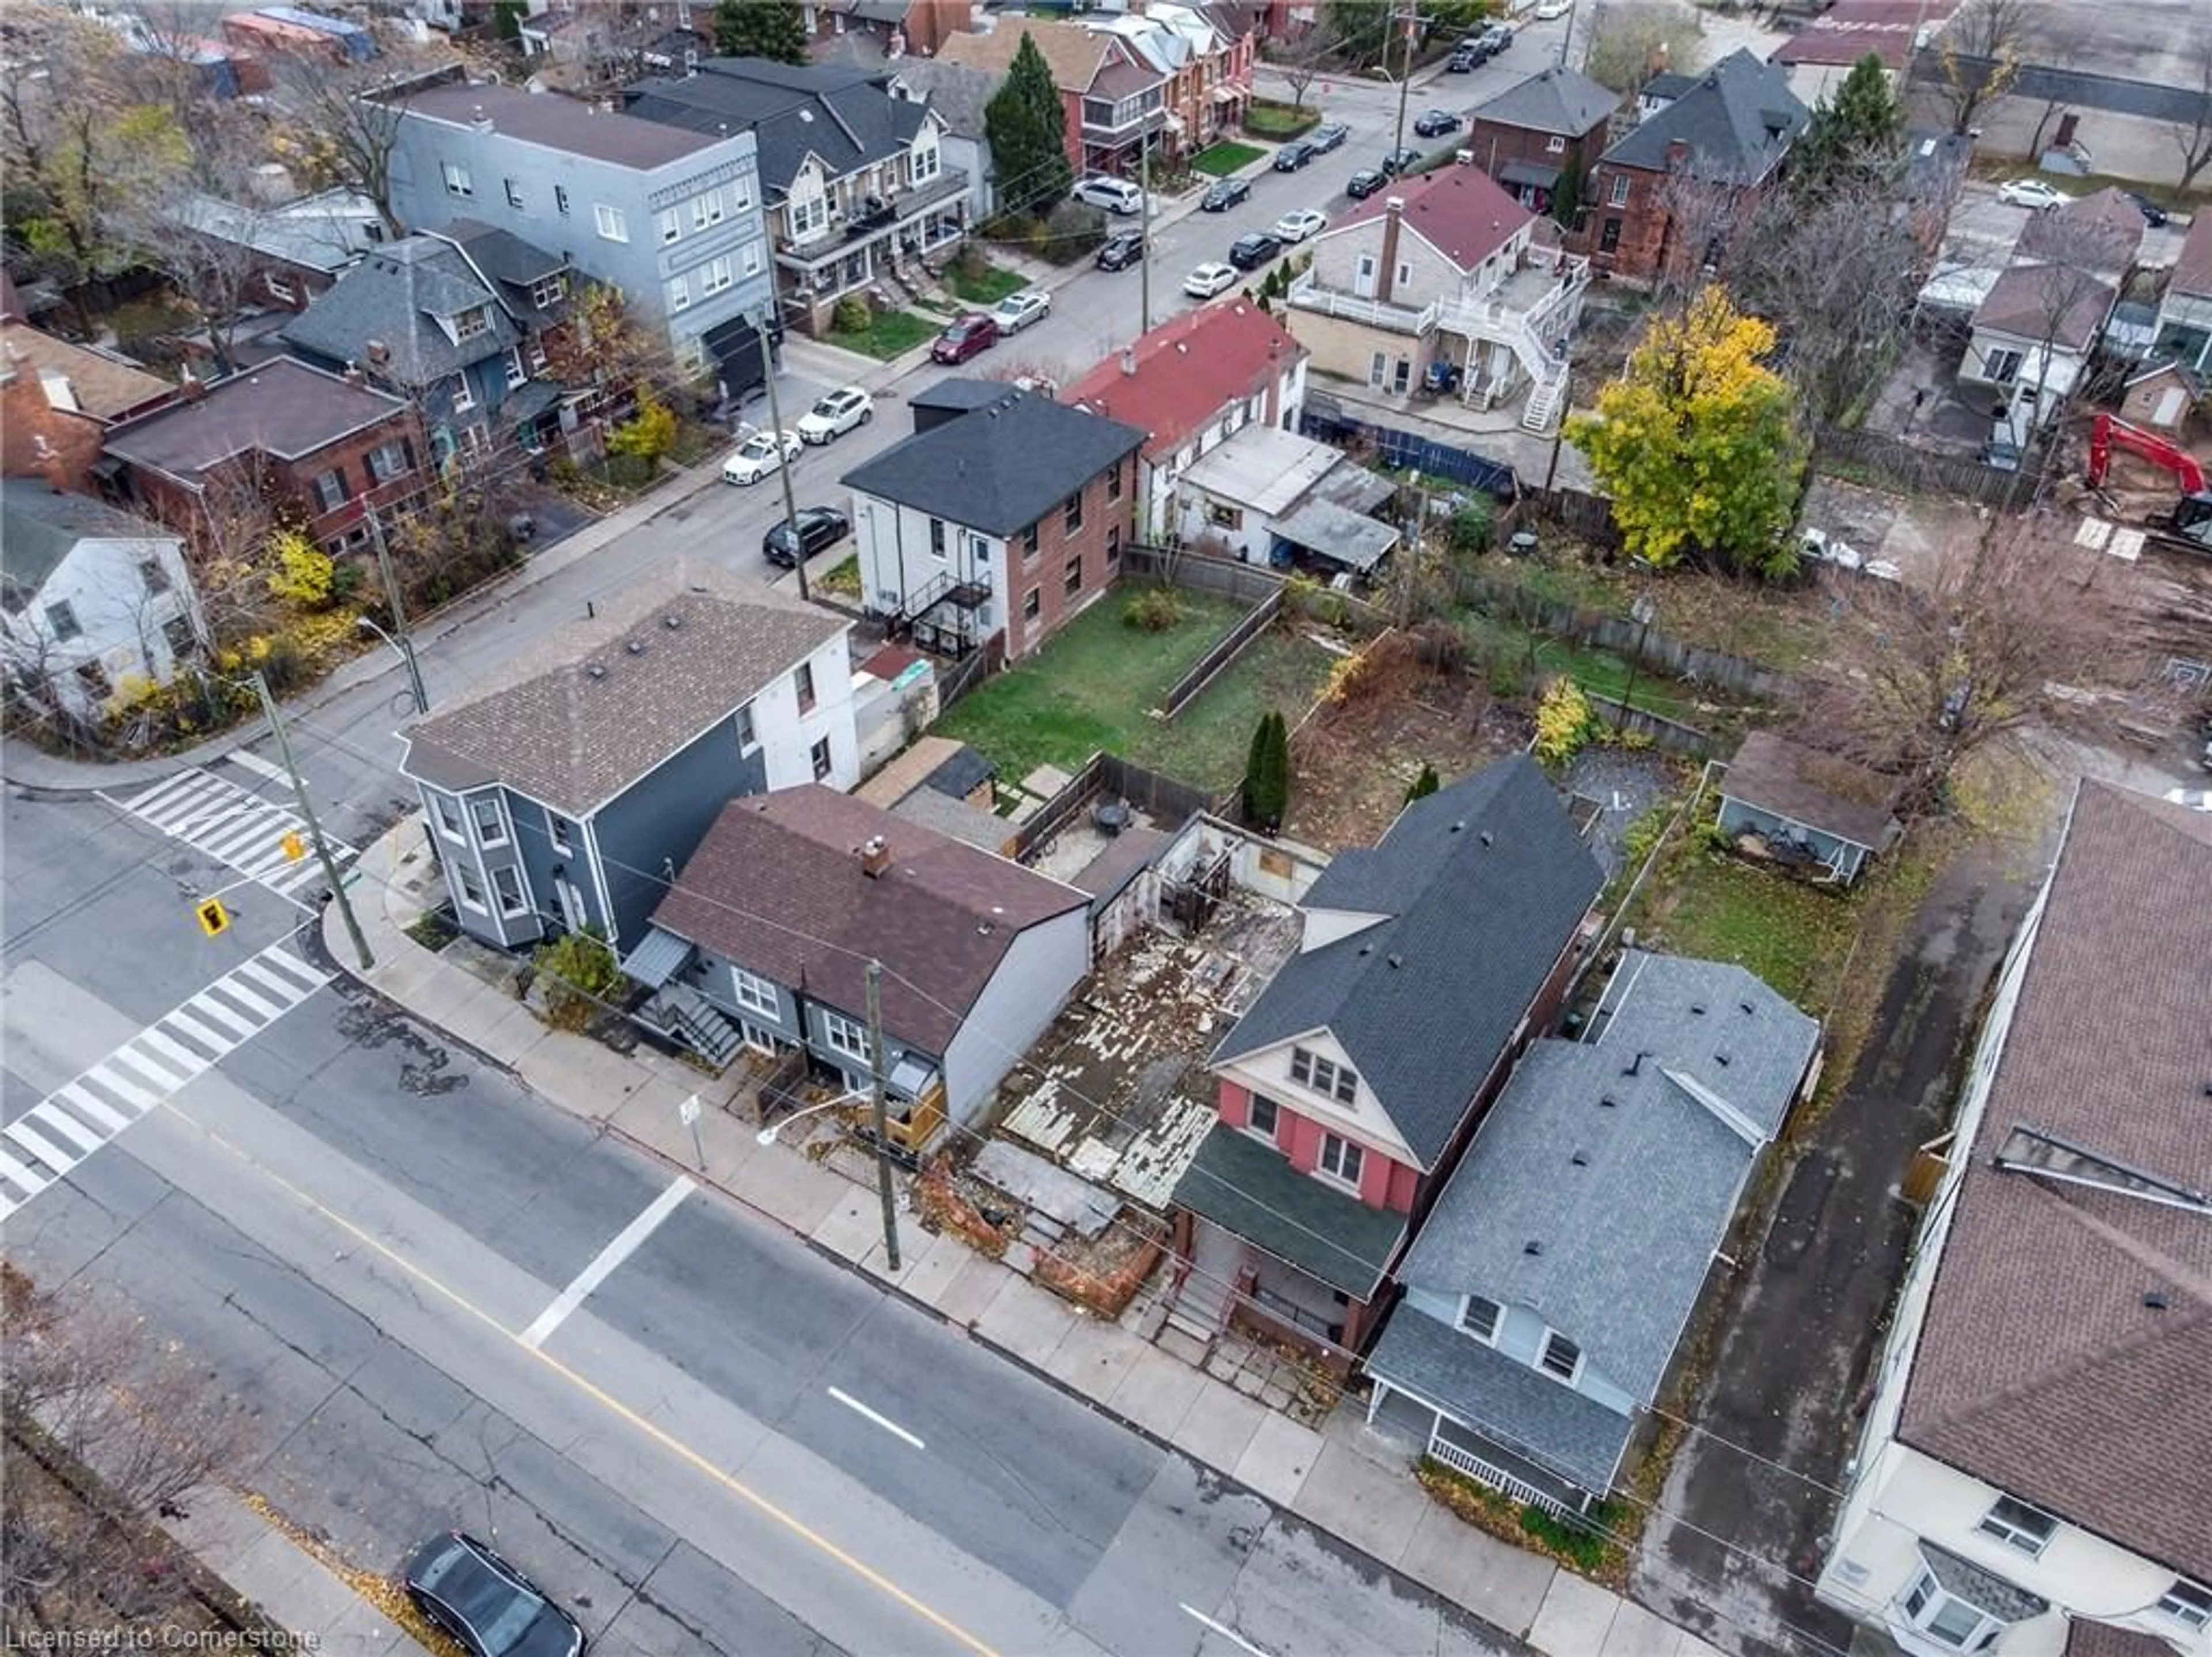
x=1483 y=1473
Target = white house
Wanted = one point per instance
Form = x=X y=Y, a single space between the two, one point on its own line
x=2033 y=1472
x=1264 y=487
x=89 y=597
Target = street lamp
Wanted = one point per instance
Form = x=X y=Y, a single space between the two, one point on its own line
x=405 y=648
x=767 y=1135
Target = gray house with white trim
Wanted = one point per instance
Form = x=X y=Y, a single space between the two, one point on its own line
x=1549 y=1289
x=563 y=792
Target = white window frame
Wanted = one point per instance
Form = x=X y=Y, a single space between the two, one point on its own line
x=1405 y=274
x=1349 y=1155
x=1252 y=1118
x=743 y=188
x=679 y=294
x=1555 y=145
x=1617 y=195
x=749 y=258
x=753 y=991
x=748 y=734
x=2009 y=358
x=472 y=323
x=1544 y=1357
x=561 y=200
x=514 y=194
x=924 y=162
x=464 y=394
x=516 y=374
x=823 y=757
x=452 y=822
x=802 y=686
x=1494 y=1326
x=557 y=835
x=610 y=222
x=2017 y=1529
x=387 y=462
x=806 y=216
x=483 y=837
x=715 y=275
x=1935 y=1599
x=465 y=877
x=847 y=1036
x=671 y=223
x=521 y=905
x=537 y=348
x=549 y=290
x=458 y=181
x=2187 y=1602
x=1324 y=1076
x=280 y=288
x=708 y=208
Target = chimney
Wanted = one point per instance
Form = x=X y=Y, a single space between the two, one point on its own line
x=478 y=120
x=1394 y=216
x=875 y=857
x=354 y=376
x=1129 y=360
x=53 y=465
x=192 y=388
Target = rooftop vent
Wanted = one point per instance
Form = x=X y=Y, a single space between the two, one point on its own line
x=2155 y=1300
x=595 y=670
x=1459 y=828
x=1699 y=1008
x=1579 y=1160
x=1748 y=1007
x=1532 y=1246
x=1635 y=1064
x=1486 y=837
x=1397 y=960
x=635 y=647
x=1721 y=1059
x=672 y=622
x=876 y=858
x=1607 y=1102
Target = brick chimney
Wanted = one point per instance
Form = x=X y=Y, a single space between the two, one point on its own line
x=1394 y=216
x=1678 y=154
x=1129 y=361
x=875 y=857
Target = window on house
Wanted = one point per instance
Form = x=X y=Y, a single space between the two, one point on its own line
x=927 y=163
x=330 y=488
x=743 y=189
x=807 y=215
x=153 y=575
x=449 y=817
x=507 y=886
x=536 y=349
x=471 y=892
x=1618 y=195
x=61 y=619
x=2018 y=1526
x=717 y=276
x=937 y=537
x=1332 y=1081
x=1074 y=576
x=612 y=225
x=456 y=179
x=561 y=200
x=549 y=290
x=1071 y=513
x=1224 y=517
x=463 y=393
x=1555 y=145
x=1405 y=276
x=748 y=738
x=1113 y=545
x=561 y=834
x=1033 y=604
x=513 y=194
x=470 y=323
x=1481 y=1318
x=2002 y=366
x=679 y=293
x=1030 y=540
x=670 y=224
x=1608 y=237
x=749 y=258
x=1262 y=1116
x=516 y=374
x=387 y=461
x=753 y=991
x=178 y=631
x=1378 y=369
x=491 y=821
x=1945 y=1618
x=846 y=1036
x=822 y=760
x=1560 y=1357
x=2187 y=1604
x=280 y=290
x=804 y=679
x=1114 y=482
x=708 y=208
x=1340 y=1159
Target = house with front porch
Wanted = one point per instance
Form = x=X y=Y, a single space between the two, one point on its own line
x=1547 y=1293
x=764 y=939
x=1205 y=56
x=1349 y=1089
x=856 y=186
x=1113 y=103
x=1450 y=269
x=561 y=791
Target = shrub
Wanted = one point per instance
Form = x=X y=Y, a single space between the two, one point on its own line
x=1155 y=610
x=1471 y=526
x=1507 y=680
x=582 y=975
x=1564 y=721
x=1268 y=773
x=851 y=315
x=648 y=434
x=1424 y=785
x=1582 y=1541
x=303 y=574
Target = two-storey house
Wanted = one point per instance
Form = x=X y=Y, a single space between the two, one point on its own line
x=764 y=938
x=2185 y=311
x=1546 y=1296
x=1112 y=103
x=960 y=97
x=883 y=29
x=1539 y=138
x=1661 y=198
x=1004 y=514
x=670 y=219
x=1190 y=383
x=854 y=176
x=1450 y=270
x=420 y=319
x=58 y=402
x=1205 y=56
x=1348 y=1090
x=89 y=597
x=284 y=436
x=563 y=791
x=290 y=251
x=2037 y=329
x=2030 y=1473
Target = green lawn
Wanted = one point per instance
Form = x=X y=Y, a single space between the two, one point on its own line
x=892 y=333
x=1094 y=685
x=1720 y=908
x=986 y=286
x=1598 y=671
x=1218 y=161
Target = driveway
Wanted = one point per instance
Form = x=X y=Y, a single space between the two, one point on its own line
x=1740 y=1523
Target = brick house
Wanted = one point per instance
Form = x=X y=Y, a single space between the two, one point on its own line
x=1530 y=136
x=1004 y=514
x=1206 y=55
x=322 y=446
x=58 y=401
x=1114 y=102
x=888 y=28
x=1727 y=133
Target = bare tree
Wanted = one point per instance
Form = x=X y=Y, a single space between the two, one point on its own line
x=2013 y=629
x=2069 y=267
x=1705 y=218
x=353 y=110
x=1977 y=55
x=1302 y=60
x=2193 y=136
x=1631 y=40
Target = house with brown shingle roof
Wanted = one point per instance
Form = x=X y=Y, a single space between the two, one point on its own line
x=2031 y=1476
x=562 y=791
x=58 y=402
x=978 y=954
x=1110 y=96
x=2184 y=313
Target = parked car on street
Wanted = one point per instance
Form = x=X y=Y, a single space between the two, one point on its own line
x=820 y=526
x=1364 y=183
x=758 y=455
x=2153 y=215
x=1297 y=224
x=1435 y=123
x=1121 y=250
x=469 y=1592
x=1292 y=156
x=1016 y=311
x=1547 y=9
x=2031 y=192
x=1497 y=38
x=1114 y=195
x=837 y=413
x=963 y=337
x=1208 y=279
x=1326 y=137
x=1223 y=194
x=1400 y=161
x=1250 y=253
x=1466 y=57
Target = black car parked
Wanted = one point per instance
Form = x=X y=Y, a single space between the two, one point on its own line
x=1121 y=250
x=818 y=526
x=1224 y=194
x=2153 y=215
x=1400 y=161
x=1364 y=183
x=1435 y=123
x=1293 y=155
x=1250 y=253
x=1326 y=137
x=464 y=1589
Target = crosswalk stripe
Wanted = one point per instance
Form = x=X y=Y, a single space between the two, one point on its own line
x=122 y=1086
x=145 y=1069
x=160 y=793
x=275 y=983
x=47 y=1114
x=284 y=962
x=88 y=1104
x=15 y=1171
x=39 y=1145
x=193 y=1030
x=205 y=1004
x=175 y=1054
x=233 y=826
x=232 y=990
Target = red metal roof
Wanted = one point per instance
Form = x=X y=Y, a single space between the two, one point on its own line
x=1849 y=30
x=1185 y=370
x=1460 y=209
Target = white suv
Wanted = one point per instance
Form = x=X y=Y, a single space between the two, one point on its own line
x=1114 y=195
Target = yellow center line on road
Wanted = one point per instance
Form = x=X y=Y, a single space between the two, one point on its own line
x=666 y=1440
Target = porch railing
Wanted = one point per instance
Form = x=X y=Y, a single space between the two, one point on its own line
x=1483 y=1473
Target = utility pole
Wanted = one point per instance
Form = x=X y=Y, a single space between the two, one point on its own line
x=398 y=612
x=1144 y=236
x=782 y=465
x=314 y=828
x=1405 y=78
x=875 y=1108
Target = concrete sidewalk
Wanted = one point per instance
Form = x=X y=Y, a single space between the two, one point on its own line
x=1342 y=1478
x=295 y=1589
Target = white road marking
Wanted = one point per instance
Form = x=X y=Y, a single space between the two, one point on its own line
x=625 y=1244
x=258 y=766
x=232 y=825
x=1225 y=1632
x=47 y=1114
x=884 y=1422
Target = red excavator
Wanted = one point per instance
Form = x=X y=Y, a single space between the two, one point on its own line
x=2190 y=523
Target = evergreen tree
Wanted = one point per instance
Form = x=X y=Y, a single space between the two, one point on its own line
x=1424 y=785
x=1567 y=196
x=1027 y=130
x=1854 y=137
x=774 y=29
x=1267 y=774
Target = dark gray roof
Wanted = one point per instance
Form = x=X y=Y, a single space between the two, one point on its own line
x=964 y=771
x=1739 y=120
x=844 y=115
x=502 y=255
x=1530 y=1413
x=1250 y=1188
x=1557 y=100
x=1000 y=466
x=38 y=525
x=561 y=124
x=1999 y=1596
x=283 y=407
x=1480 y=886
x=1624 y=1185
x=393 y=298
x=1669 y=84
x=957 y=92
x=1818 y=790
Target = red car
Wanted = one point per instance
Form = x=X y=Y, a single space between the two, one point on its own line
x=961 y=339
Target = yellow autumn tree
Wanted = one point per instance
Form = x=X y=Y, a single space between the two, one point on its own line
x=1696 y=442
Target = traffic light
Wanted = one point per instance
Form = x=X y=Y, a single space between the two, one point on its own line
x=213 y=916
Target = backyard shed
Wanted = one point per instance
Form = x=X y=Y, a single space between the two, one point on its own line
x=1807 y=807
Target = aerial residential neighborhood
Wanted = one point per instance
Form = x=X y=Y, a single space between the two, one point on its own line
x=1165 y=827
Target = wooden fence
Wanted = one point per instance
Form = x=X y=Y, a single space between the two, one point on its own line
x=1108 y=776
x=977 y=666
x=1659 y=652
x=1222 y=652
x=1886 y=462
x=1669 y=734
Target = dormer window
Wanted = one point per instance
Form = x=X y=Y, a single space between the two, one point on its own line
x=925 y=160
x=1325 y=1076
x=1481 y=1316
x=470 y=323
x=549 y=290
x=1561 y=1359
